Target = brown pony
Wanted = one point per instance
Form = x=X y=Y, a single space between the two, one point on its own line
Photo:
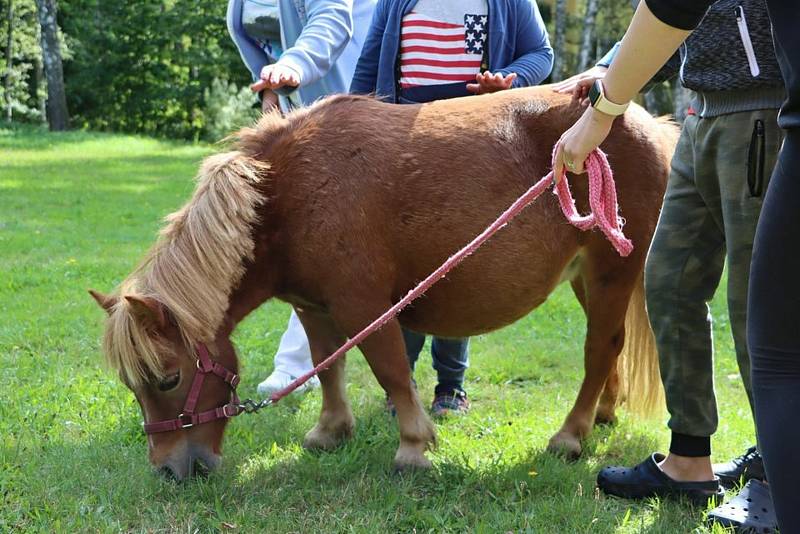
x=340 y=209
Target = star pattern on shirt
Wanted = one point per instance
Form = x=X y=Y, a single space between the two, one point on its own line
x=475 y=33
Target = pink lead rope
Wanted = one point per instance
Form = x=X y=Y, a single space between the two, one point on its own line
x=604 y=215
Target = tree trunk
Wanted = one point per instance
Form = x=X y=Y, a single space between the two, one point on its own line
x=57 y=115
x=38 y=88
x=587 y=34
x=9 y=44
x=560 y=40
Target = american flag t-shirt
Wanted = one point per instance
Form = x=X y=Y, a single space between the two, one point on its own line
x=437 y=52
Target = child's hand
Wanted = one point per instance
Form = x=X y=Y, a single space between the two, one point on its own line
x=275 y=76
x=491 y=83
x=578 y=86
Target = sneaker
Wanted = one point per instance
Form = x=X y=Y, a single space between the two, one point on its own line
x=280 y=379
x=452 y=402
x=742 y=469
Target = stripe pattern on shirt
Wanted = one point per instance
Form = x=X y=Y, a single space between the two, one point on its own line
x=435 y=53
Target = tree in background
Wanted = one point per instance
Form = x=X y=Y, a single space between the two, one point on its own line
x=587 y=36
x=9 y=54
x=145 y=66
x=582 y=31
x=57 y=115
x=22 y=92
x=560 y=36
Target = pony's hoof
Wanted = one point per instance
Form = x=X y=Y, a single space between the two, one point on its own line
x=401 y=467
x=566 y=445
x=410 y=460
x=318 y=439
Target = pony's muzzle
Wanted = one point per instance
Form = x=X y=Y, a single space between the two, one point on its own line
x=194 y=462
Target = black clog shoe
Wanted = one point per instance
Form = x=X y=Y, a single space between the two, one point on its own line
x=750 y=511
x=648 y=480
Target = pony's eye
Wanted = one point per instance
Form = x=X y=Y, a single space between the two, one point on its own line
x=169 y=382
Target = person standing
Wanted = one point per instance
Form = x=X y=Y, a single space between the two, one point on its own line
x=728 y=147
x=297 y=52
x=424 y=50
x=773 y=339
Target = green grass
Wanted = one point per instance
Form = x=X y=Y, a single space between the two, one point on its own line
x=78 y=210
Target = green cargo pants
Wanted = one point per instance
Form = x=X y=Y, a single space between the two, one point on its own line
x=719 y=176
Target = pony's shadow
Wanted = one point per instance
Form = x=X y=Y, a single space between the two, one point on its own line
x=538 y=482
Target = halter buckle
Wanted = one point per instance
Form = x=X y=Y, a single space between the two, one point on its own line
x=234 y=409
x=185 y=420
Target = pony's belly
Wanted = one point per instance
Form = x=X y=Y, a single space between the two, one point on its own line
x=460 y=324
x=467 y=305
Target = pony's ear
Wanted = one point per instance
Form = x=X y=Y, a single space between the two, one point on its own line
x=148 y=311
x=105 y=301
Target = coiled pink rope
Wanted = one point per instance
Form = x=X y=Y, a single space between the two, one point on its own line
x=602 y=202
x=604 y=215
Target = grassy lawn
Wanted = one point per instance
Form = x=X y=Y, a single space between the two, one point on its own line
x=78 y=210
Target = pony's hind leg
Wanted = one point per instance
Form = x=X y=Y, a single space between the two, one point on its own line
x=336 y=420
x=606 y=408
x=605 y=300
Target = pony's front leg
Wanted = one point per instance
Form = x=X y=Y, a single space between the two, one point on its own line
x=336 y=420
x=386 y=353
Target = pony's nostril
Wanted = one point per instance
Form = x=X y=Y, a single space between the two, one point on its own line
x=167 y=472
x=202 y=461
x=200 y=469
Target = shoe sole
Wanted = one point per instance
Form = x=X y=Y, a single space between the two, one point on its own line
x=625 y=492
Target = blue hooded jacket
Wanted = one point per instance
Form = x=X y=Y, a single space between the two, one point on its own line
x=517 y=43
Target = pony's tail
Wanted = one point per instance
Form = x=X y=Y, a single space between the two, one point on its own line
x=640 y=379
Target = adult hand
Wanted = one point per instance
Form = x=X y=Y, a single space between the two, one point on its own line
x=578 y=86
x=269 y=101
x=275 y=76
x=577 y=142
x=491 y=83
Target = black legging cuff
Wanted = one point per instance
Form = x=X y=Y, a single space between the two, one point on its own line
x=692 y=446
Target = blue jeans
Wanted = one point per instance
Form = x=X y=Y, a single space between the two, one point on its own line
x=450 y=358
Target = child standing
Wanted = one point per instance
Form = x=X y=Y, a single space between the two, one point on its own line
x=297 y=51
x=419 y=51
